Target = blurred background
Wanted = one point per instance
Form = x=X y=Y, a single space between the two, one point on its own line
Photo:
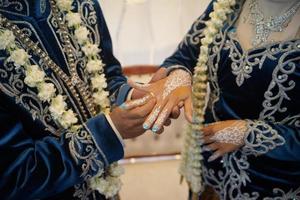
x=144 y=33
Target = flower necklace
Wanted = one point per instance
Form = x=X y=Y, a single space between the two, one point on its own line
x=191 y=166
x=47 y=93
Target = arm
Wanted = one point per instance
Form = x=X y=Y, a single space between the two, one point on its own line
x=253 y=137
x=45 y=166
x=188 y=50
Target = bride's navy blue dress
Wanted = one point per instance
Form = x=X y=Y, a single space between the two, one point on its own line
x=262 y=85
x=39 y=159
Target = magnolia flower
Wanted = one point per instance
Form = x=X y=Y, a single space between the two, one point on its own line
x=19 y=57
x=7 y=39
x=73 y=19
x=46 y=91
x=68 y=118
x=64 y=5
x=57 y=107
x=99 y=81
x=94 y=66
x=100 y=98
x=90 y=49
x=34 y=75
x=81 y=34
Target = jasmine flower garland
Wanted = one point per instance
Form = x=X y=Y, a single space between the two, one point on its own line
x=191 y=167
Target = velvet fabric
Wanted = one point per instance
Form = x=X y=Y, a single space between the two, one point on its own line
x=261 y=85
x=38 y=158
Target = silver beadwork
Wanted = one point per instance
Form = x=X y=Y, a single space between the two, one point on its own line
x=264 y=27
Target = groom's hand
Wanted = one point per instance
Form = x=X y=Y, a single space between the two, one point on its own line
x=129 y=122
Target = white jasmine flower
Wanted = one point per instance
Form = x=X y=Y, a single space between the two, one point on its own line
x=81 y=34
x=57 y=107
x=207 y=40
x=94 y=66
x=46 y=91
x=99 y=81
x=7 y=39
x=100 y=98
x=68 y=118
x=34 y=75
x=64 y=5
x=74 y=19
x=90 y=49
x=203 y=58
x=116 y=170
x=19 y=56
x=110 y=186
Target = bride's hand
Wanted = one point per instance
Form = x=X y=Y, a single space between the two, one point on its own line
x=170 y=92
x=224 y=137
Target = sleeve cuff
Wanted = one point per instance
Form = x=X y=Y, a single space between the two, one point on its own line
x=108 y=142
x=122 y=94
x=112 y=125
x=171 y=68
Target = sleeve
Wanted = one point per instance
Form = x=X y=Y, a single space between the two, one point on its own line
x=43 y=166
x=188 y=50
x=117 y=82
x=273 y=140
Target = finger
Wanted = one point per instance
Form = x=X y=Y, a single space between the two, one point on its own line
x=215 y=156
x=167 y=122
x=144 y=110
x=210 y=147
x=160 y=74
x=207 y=130
x=153 y=115
x=139 y=86
x=160 y=131
x=207 y=140
x=137 y=94
x=163 y=116
x=188 y=109
x=181 y=104
x=175 y=112
x=128 y=105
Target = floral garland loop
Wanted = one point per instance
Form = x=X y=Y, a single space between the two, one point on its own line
x=191 y=167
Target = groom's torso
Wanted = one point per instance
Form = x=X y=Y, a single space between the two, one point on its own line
x=38 y=23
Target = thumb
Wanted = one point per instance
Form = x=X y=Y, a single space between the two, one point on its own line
x=188 y=109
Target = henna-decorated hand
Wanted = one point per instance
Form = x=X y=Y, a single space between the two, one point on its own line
x=224 y=137
x=170 y=92
x=159 y=75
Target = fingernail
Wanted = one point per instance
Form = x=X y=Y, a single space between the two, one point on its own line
x=213 y=157
x=204 y=149
x=155 y=128
x=146 y=126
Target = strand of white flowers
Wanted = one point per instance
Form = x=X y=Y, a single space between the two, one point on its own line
x=191 y=162
x=35 y=78
x=108 y=184
x=94 y=65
